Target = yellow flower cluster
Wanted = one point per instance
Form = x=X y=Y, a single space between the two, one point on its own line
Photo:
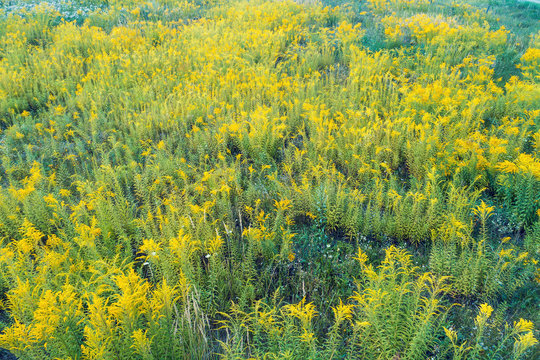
x=159 y=160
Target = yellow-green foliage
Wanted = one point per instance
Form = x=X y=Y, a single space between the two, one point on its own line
x=159 y=159
x=397 y=311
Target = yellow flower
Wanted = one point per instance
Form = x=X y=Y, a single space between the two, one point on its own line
x=451 y=334
x=486 y=310
x=361 y=324
x=87 y=234
x=524 y=342
x=282 y=205
x=307 y=336
x=523 y=326
x=342 y=312
x=483 y=211
x=484 y=314
x=215 y=244
x=150 y=248
x=505 y=252
x=136 y=11
x=302 y=311
x=141 y=343
x=65 y=192
x=50 y=200
x=507 y=167
x=291 y=256
x=59 y=110
x=361 y=256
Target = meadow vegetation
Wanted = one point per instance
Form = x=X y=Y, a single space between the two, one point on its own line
x=212 y=179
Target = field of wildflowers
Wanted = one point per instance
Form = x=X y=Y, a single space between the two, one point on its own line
x=205 y=179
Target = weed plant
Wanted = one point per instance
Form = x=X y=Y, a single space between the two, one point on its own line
x=269 y=180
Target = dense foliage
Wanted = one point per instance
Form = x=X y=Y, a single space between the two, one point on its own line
x=269 y=180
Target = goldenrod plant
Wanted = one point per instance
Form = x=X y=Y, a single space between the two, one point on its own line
x=205 y=179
